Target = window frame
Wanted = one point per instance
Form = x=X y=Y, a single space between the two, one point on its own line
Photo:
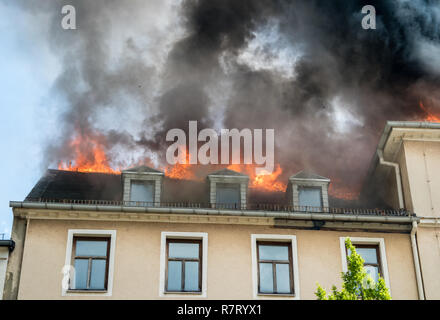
x=185 y=236
x=281 y=239
x=183 y=260
x=89 y=233
x=274 y=263
x=90 y=259
x=381 y=252
x=370 y=246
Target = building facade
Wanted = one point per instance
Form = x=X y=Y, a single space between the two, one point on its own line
x=409 y=177
x=6 y=246
x=141 y=235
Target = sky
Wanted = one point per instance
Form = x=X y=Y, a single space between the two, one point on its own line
x=28 y=71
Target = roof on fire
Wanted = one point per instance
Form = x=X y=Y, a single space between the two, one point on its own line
x=60 y=185
x=71 y=185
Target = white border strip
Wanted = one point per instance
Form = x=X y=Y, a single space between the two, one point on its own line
x=183 y=235
x=280 y=238
x=92 y=233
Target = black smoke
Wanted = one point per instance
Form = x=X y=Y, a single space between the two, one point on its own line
x=328 y=112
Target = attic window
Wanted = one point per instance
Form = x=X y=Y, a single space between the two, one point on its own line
x=310 y=196
x=228 y=195
x=142 y=191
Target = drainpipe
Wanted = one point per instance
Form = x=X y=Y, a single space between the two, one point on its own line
x=414 y=224
x=397 y=172
x=417 y=261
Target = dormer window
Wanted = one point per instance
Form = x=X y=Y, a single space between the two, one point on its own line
x=228 y=189
x=142 y=191
x=142 y=186
x=309 y=192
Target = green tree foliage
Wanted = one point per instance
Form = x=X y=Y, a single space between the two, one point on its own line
x=357 y=284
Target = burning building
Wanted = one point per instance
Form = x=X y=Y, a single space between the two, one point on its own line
x=145 y=233
x=303 y=68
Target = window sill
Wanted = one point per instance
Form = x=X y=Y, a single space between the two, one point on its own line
x=183 y=292
x=86 y=291
x=287 y=295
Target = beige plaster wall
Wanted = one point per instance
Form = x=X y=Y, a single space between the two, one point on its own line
x=420 y=171
x=428 y=239
x=136 y=273
x=423 y=176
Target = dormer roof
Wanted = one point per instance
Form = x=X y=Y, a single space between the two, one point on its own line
x=143 y=169
x=306 y=175
x=228 y=172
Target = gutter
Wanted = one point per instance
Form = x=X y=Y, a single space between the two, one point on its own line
x=383 y=139
x=398 y=124
x=404 y=124
x=397 y=173
x=417 y=261
x=222 y=212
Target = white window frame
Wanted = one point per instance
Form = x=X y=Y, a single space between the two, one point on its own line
x=190 y=236
x=278 y=238
x=374 y=241
x=91 y=233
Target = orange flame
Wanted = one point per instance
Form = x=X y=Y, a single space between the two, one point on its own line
x=89 y=156
x=344 y=193
x=181 y=170
x=429 y=116
x=338 y=189
x=265 y=182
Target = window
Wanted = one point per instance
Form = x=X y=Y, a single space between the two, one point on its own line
x=142 y=191
x=184 y=265
x=274 y=268
x=90 y=259
x=89 y=264
x=370 y=253
x=372 y=250
x=228 y=195
x=310 y=197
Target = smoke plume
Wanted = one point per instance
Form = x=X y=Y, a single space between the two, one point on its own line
x=134 y=69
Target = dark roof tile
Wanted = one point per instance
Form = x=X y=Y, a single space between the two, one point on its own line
x=72 y=185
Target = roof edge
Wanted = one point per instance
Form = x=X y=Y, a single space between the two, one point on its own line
x=222 y=212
